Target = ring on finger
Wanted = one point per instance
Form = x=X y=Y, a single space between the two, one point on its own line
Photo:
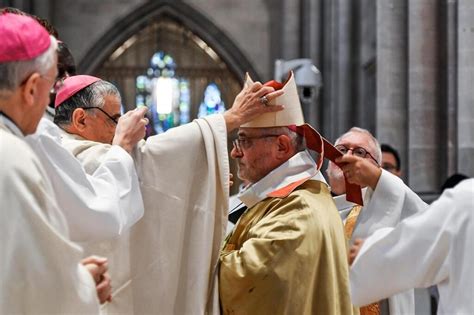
x=264 y=100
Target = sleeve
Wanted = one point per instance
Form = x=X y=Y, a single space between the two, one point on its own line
x=391 y=202
x=98 y=206
x=414 y=254
x=38 y=263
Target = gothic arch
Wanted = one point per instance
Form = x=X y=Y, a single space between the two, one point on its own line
x=184 y=14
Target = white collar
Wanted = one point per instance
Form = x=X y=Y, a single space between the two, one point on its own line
x=342 y=203
x=7 y=122
x=299 y=167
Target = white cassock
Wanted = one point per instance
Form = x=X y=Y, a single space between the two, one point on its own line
x=39 y=268
x=99 y=205
x=433 y=247
x=167 y=264
x=390 y=202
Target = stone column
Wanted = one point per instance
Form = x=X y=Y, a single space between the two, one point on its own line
x=424 y=98
x=391 y=63
x=337 y=68
x=466 y=87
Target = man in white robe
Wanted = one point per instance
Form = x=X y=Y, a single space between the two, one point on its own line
x=168 y=262
x=433 y=247
x=39 y=267
x=387 y=200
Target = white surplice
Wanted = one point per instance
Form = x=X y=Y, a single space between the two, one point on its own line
x=99 y=205
x=39 y=267
x=167 y=265
x=390 y=202
x=435 y=246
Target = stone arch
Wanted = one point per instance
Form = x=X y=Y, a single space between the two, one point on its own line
x=184 y=14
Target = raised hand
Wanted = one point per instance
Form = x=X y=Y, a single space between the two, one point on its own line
x=359 y=171
x=251 y=102
x=131 y=128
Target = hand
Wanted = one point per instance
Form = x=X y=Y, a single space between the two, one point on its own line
x=359 y=171
x=104 y=289
x=131 y=128
x=231 y=182
x=354 y=250
x=98 y=267
x=247 y=105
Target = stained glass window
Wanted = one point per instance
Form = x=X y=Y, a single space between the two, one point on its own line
x=212 y=102
x=166 y=96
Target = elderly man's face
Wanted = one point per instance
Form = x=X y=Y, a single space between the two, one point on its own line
x=352 y=142
x=101 y=123
x=255 y=154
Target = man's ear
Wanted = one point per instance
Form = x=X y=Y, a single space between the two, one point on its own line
x=285 y=148
x=78 y=119
x=30 y=89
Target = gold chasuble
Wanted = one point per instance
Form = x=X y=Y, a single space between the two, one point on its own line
x=287 y=255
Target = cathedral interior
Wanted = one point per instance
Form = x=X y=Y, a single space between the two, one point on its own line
x=403 y=69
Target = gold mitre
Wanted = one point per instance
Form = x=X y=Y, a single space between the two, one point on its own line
x=291 y=115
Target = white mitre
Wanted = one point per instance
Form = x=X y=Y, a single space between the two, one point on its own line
x=291 y=115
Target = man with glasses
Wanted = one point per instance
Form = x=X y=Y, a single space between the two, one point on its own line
x=391 y=160
x=387 y=200
x=168 y=261
x=92 y=112
x=287 y=252
x=40 y=270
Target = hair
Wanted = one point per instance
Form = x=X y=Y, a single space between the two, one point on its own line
x=453 y=180
x=43 y=22
x=90 y=96
x=66 y=63
x=388 y=148
x=374 y=149
x=13 y=73
x=297 y=140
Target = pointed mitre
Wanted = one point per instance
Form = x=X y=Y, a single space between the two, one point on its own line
x=291 y=115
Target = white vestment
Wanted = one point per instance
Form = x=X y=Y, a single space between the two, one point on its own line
x=390 y=202
x=435 y=246
x=99 y=205
x=39 y=267
x=167 y=265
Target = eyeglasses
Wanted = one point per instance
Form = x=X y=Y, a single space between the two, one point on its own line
x=115 y=120
x=58 y=83
x=245 y=143
x=389 y=167
x=357 y=151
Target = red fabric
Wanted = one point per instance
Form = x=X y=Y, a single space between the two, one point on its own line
x=274 y=84
x=21 y=38
x=288 y=189
x=71 y=86
x=277 y=85
x=316 y=142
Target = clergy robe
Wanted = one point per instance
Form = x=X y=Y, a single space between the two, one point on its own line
x=390 y=202
x=435 y=246
x=98 y=205
x=287 y=253
x=39 y=267
x=167 y=265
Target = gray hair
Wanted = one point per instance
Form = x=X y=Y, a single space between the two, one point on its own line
x=374 y=149
x=12 y=74
x=297 y=140
x=90 y=96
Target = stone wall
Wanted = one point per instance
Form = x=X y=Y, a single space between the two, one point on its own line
x=401 y=68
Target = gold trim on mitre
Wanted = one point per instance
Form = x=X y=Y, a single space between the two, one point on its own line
x=291 y=115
